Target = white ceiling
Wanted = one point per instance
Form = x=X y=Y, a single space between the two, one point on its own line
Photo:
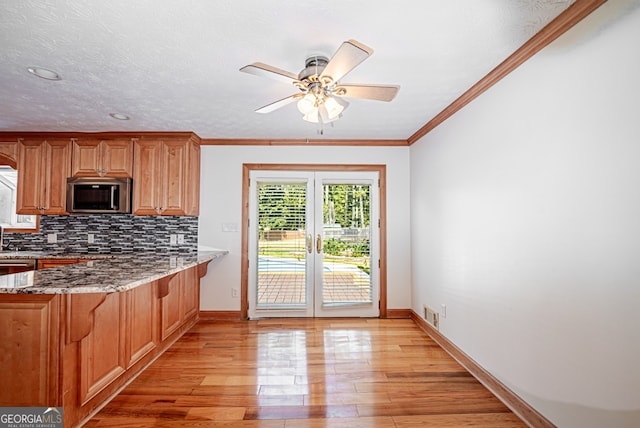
x=173 y=65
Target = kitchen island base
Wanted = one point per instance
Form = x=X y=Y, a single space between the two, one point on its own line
x=77 y=351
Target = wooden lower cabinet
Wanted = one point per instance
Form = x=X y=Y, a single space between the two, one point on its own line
x=102 y=351
x=172 y=312
x=78 y=350
x=142 y=324
x=191 y=293
x=181 y=302
x=29 y=379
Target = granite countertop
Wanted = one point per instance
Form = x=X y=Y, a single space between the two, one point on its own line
x=104 y=273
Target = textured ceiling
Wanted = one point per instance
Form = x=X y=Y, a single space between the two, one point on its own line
x=173 y=65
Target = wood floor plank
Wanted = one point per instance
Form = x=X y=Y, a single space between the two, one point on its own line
x=341 y=423
x=484 y=420
x=298 y=373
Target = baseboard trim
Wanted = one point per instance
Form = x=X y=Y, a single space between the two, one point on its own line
x=220 y=316
x=399 y=313
x=517 y=405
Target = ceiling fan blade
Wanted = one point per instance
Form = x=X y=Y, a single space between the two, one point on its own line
x=347 y=57
x=369 y=92
x=264 y=70
x=279 y=104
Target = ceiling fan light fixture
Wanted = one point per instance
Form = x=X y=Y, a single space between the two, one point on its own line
x=307 y=104
x=323 y=115
x=335 y=106
x=311 y=116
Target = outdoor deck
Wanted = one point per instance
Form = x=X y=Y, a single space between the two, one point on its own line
x=289 y=288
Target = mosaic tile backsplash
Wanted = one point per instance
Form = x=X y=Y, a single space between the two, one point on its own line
x=112 y=233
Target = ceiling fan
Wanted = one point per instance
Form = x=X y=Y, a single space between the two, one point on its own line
x=320 y=97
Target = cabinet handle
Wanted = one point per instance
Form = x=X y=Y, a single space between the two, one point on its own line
x=319 y=243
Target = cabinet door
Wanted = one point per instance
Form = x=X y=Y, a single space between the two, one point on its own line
x=147 y=171
x=191 y=293
x=29 y=350
x=141 y=322
x=117 y=158
x=172 y=307
x=57 y=167
x=86 y=158
x=30 y=184
x=102 y=356
x=9 y=149
x=102 y=158
x=193 y=181
x=175 y=157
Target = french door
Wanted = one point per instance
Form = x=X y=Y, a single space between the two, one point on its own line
x=313 y=244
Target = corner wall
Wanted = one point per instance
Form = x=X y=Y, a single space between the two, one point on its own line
x=525 y=211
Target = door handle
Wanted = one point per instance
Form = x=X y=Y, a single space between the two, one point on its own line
x=309 y=243
x=319 y=243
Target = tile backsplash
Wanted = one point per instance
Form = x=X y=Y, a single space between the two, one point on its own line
x=112 y=233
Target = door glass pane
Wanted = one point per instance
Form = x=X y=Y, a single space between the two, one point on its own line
x=346 y=263
x=281 y=276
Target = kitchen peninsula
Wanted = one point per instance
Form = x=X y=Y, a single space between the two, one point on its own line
x=74 y=336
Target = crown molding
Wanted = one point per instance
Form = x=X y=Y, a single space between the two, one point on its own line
x=296 y=142
x=561 y=24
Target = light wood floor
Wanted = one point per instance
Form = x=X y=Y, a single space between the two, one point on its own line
x=305 y=373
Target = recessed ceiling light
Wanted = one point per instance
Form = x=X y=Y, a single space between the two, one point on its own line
x=119 y=116
x=44 y=73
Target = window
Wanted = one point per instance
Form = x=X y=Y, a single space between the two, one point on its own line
x=8 y=218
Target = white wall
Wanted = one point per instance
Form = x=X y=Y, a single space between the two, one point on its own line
x=221 y=202
x=525 y=212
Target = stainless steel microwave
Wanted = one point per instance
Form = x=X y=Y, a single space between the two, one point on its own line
x=88 y=195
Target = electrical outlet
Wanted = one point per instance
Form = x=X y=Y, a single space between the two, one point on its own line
x=173 y=239
x=234 y=292
x=180 y=238
x=52 y=238
x=90 y=238
x=443 y=310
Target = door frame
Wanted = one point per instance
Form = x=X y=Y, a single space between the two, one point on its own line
x=244 y=264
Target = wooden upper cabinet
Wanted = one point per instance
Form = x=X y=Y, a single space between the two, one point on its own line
x=43 y=168
x=9 y=153
x=102 y=158
x=193 y=188
x=166 y=176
